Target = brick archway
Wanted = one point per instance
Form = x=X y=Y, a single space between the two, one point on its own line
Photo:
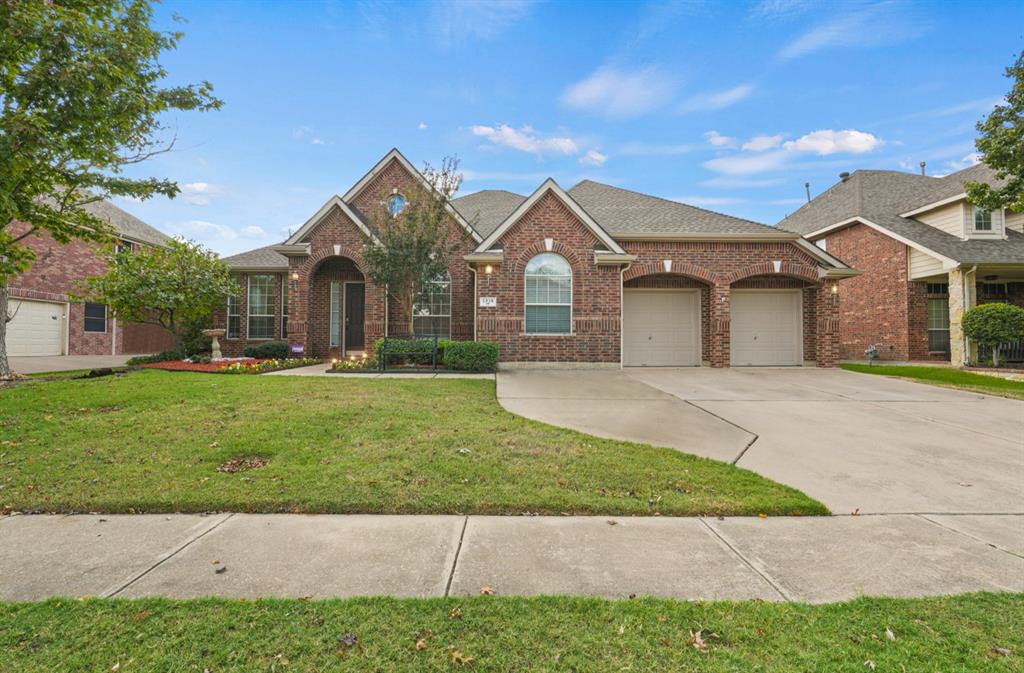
x=316 y=259
x=790 y=269
x=678 y=269
x=540 y=248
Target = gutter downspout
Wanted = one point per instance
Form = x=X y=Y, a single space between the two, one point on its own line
x=622 y=313
x=475 y=300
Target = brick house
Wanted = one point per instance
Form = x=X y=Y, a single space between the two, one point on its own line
x=48 y=321
x=926 y=254
x=596 y=275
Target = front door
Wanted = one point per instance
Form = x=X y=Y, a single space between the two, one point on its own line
x=355 y=301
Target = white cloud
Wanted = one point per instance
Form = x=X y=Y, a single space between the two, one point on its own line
x=458 y=21
x=874 y=25
x=199 y=193
x=253 y=231
x=718 y=140
x=421 y=126
x=316 y=141
x=762 y=143
x=827 y=141
x=211 y=231
x=620 y=94
x=526 y=139
x=971 y=159
x=300 y=132
x=748 y=164
x=717 y=100
x=593 y=158
x=708 y=201
x=779 y=9
x=637 y=149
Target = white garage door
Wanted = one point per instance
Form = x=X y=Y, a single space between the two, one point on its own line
x=37 y=328
x=766 y=327
x=661 y=328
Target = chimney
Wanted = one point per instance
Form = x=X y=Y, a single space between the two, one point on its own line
x=844 y=176
x=922 y=168
x=807 y=188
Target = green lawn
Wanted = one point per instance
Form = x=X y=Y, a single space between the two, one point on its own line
x=961 y=634
x=152 y=441
x=947 y=377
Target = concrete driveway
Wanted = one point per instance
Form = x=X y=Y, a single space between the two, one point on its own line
x=62 y=363
x=856 y=442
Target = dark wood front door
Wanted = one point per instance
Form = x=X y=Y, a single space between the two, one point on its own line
x=355 y=301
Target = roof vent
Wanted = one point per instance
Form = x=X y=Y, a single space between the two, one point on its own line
x=844 y=176
x=923 y=165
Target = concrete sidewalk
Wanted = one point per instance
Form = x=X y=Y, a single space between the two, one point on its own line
x=282 y=555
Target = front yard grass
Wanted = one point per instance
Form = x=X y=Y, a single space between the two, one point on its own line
x=947 y=377
x=152 y=441
x=967 y=633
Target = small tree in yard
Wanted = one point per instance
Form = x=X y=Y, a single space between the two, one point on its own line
x=414 y=246
x=994 y=325
x=80 y=99
x=172 y=287
x=1001 y=147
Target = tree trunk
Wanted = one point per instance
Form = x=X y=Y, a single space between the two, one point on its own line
x=6 y=373
x=995 y=355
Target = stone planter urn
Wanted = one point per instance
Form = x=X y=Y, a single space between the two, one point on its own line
x=215 y=353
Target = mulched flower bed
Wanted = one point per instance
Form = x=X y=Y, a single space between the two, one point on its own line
x=182 y=366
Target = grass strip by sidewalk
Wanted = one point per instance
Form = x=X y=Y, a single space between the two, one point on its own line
x=947 y=377
x=972 y=632
x=154 y=441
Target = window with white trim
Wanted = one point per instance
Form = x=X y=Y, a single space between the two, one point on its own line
x=335 y=314
x=234 y=317
x=938 y=325
x=261 y=307
x=284 y=307
x=432 y=310
x=95 y=317
x=982 y=219
x=548 y=295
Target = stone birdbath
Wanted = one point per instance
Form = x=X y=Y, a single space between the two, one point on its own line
x=215 y=353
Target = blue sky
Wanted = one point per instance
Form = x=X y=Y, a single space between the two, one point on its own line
x=729 y=106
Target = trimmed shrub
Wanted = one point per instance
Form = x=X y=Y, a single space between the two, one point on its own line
x=994 y=325
x=411 y=351
x=156 y=357
x=277 y=350
x=471 y=356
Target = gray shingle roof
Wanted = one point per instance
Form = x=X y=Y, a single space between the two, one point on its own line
x=126 y=224
x=488 y=208
x=880 y=196
x=260 y=258
x=622 y=213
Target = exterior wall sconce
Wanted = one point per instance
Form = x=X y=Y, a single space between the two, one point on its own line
x=295 y=276
x=488 y=269
x=835 y=288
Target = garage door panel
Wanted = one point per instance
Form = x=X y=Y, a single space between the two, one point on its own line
x=766 y=328
x=661 y=328
x=37 y=328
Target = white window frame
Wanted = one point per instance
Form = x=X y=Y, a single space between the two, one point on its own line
x=991 y=220
x=334 y=312
x=248 y=308
x=527 y=304
x=237 y=301
x=446 y=279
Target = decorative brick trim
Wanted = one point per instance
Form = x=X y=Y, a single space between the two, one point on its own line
x=540 y=247
x=786 y=268
x=679 y=268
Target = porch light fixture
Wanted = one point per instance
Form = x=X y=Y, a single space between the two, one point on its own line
x=334 y=361
x=295 y=276
x=488 y=269
x=835 y=288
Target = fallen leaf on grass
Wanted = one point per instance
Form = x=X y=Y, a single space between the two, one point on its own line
x=486 y=591
x=142 y=615
x=460 y=658
x=762 y=515
x=421 y=644
x=242 y=464
x=348 y=639
x=455 y=613
x=662 y=618
x=697 y=640
x=1001 y=651
x=889 y=634
x=870 y=664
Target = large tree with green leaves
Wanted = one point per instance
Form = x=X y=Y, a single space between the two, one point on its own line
x=81 y=97
x=1001 y=146
x=413 y=244
x=172 y=286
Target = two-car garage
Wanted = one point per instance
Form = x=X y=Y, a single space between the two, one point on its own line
x=662 y=327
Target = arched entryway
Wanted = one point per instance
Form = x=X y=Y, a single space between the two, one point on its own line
x=337 y=308
x=665 y=321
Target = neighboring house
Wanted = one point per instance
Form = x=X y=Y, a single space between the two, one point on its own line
x=595 y=274
x=927 y=256
x=47 y=320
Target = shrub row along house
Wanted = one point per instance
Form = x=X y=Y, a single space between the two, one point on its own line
x=927 y=255
x=594 y=274
x=48 y=320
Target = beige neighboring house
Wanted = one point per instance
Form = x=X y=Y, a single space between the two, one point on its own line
x=927 y=256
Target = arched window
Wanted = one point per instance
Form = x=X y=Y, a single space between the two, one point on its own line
x=548 y=295
x=432 y=310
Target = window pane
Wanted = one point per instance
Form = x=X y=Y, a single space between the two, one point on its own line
x=95 y=318
x=982 y=219
x=234 y=318
x=938 y=314
x=938 y=340
x=433 y=308
x=261 y=327
x=548 y=319
x=432 y=327
x=335 y=314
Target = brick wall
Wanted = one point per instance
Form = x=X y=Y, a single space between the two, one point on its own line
x=596 y=291
x=60 y=270
x=876 y=306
